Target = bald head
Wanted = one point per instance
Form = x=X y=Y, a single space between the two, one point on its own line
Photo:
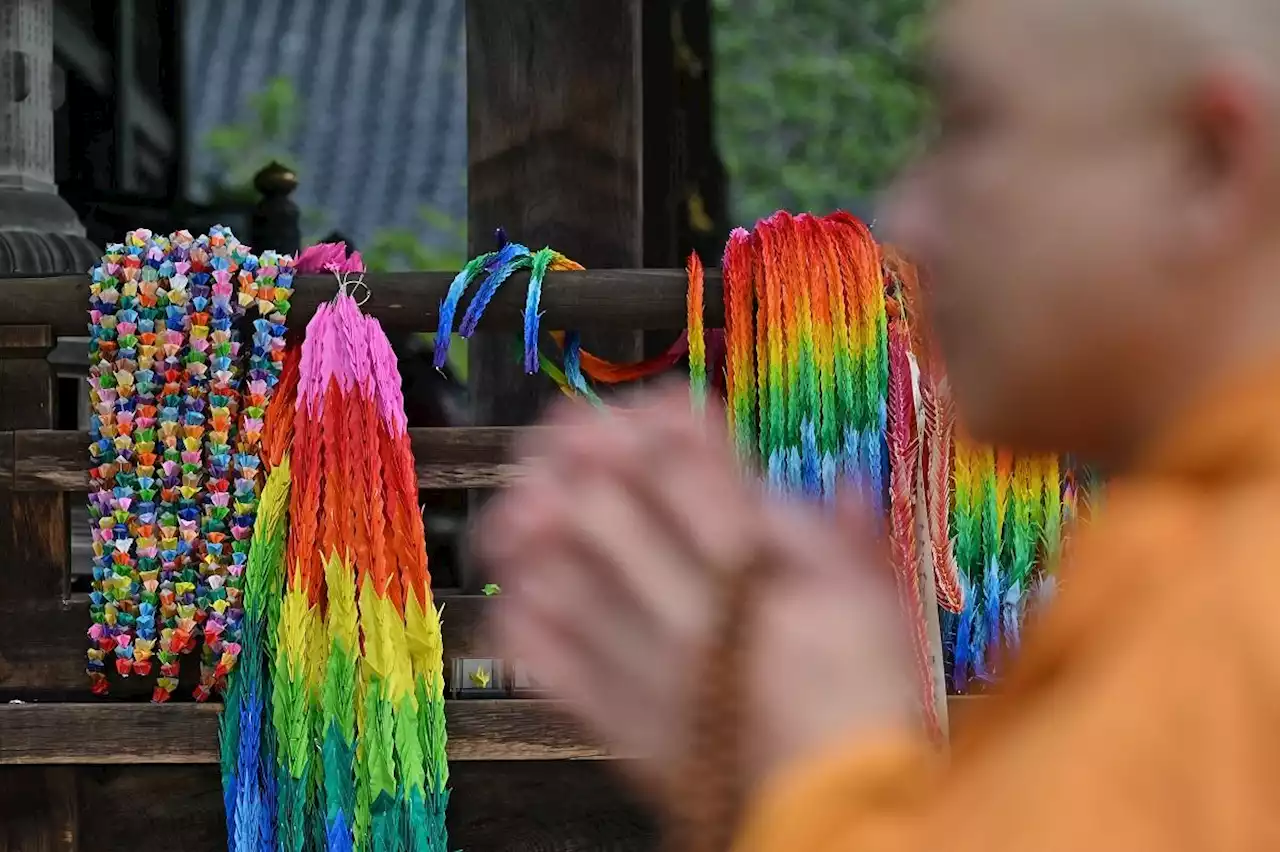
x=1100 y=214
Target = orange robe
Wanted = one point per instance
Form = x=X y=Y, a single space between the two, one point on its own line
x=1144 y=713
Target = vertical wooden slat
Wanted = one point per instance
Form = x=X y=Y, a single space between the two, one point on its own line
x=555 y=156
x=39 y=809
x=34 y=531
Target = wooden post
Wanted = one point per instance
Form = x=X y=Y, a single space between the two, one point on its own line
x=555 y=156
x=275 y=223
x=684 y=191
x=34 y=531
x=684 y=179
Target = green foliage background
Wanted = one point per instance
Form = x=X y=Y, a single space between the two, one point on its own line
x=818 y=102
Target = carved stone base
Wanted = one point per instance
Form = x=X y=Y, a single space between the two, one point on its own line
x=40 y=235
x=44 y=212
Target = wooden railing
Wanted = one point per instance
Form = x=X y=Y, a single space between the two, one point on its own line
x=410 y=301
x=43 y=622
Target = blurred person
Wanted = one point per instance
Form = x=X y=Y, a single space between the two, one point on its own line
x=1100 y=220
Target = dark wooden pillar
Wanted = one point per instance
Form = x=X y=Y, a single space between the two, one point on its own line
x=684 y=178
x=38 y=807
x=555 y=104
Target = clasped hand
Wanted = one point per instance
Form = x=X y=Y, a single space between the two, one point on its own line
x=610 y=548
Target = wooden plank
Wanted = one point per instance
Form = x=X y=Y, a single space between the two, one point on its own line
x=41 y=548
x=50 y=460
x=25 y=341
x=114 y=733
x=26 y=393
x=410 y=301
x=446 y=457
x=522 y=806
x=42 y=647
x=565 y=806
x=7 y=458
x=39 y=809
x=34 y=531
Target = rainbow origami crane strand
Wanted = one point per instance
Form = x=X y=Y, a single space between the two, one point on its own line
x=1007 y=515
x=492 y=270
x=819 y=383
x=807 y=354
x=996 y=521
x=358 y=657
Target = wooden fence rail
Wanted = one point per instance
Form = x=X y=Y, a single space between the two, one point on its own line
x=43 y=644
x=447 y=457
x=410 y=301
x=42 y=624
x=109 y=733
x=42 y=637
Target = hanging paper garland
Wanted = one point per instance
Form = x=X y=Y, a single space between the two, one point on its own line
x=807 y=354
x=997 y=521
x=174 y=436
x=819 y=383
x=821 y=336
x=808 y=371
x=353 y=755
x=495 y=268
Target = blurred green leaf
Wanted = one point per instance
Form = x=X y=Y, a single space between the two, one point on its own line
x=817 y=103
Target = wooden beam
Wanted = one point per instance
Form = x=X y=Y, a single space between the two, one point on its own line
x=7 y=461
x=502 y=806
x=42 y=646
x=113 y=733
x=116 y=734
x=410 y=301
x=446 y=457
x=25 y=341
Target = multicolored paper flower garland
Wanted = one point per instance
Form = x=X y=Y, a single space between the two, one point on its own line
x=177 y=401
